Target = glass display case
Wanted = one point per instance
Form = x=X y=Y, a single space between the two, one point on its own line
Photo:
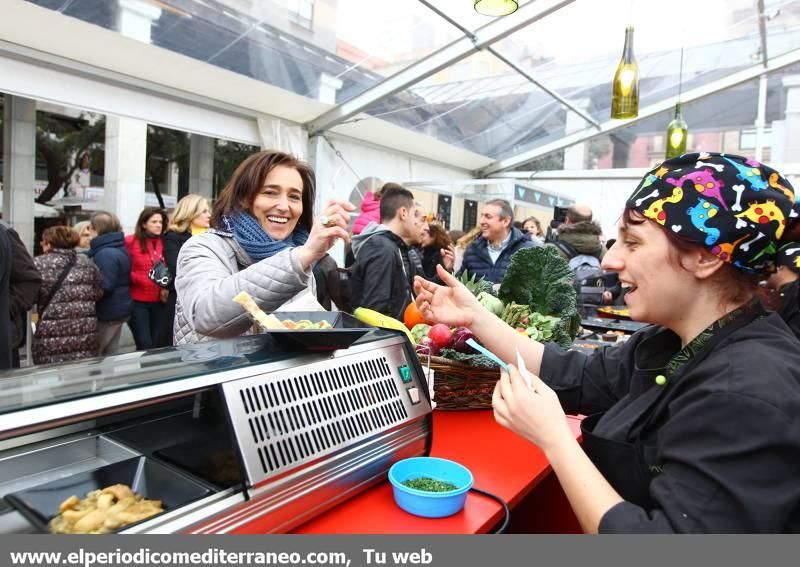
x=234 y=436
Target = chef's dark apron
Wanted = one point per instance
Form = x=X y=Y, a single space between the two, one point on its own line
x=622 y=463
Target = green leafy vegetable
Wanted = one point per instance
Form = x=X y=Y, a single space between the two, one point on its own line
x=476 y=287
x=541 y=279
x=478 y=360
x=429 y=484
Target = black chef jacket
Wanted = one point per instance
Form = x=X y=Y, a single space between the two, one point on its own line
x=724 y=453
x=790 y=306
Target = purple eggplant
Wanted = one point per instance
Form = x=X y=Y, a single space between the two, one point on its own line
x=460 y=338
x=427 y=346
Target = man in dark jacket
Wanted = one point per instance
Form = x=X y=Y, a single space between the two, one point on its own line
x=5 y=318
x=579 y=234
x=24 y=283
x=107 y=249
x=382 y=275
x=489 y=255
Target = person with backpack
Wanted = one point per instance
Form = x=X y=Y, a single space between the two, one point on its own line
x=579 y=243
x=385 y=265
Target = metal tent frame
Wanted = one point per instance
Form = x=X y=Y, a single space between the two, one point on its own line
x=484 y=39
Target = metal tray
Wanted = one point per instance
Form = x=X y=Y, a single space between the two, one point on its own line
x=214 y=460
x=346 y=330
x=612 y=324
x=27 y=467
x=145 y=476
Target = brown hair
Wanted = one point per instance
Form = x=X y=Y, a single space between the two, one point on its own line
x=440 y=237
x=61 y=237
x=104 y=222
x=248 y=179
x=735 y=285
x=536 y=223
x=144 y=216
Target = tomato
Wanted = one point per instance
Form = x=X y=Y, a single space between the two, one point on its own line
x=441 y=335
x=412 y=316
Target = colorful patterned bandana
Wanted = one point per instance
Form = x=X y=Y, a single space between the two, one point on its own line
x=734 y=206
x=789 y=256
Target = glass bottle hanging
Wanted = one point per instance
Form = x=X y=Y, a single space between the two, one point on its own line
x=677 y=134
x=625 y=94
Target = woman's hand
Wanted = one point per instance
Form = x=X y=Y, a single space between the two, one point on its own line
x=327 y=227
x=453 y=304
x=448 y=257
x=531 y=412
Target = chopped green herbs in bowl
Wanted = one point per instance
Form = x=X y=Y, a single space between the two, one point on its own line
x=429 y=486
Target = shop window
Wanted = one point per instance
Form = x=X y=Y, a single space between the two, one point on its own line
x=301 y=12
x=747 y=139
x=443 y=207
x=470 y=215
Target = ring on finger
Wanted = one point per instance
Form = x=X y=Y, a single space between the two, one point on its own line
x=327 y=220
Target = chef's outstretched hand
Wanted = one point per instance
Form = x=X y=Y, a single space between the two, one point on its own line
x=452 y=304
x=533 y=412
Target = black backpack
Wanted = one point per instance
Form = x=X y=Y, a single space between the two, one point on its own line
x=590 y=280
x=333 y=284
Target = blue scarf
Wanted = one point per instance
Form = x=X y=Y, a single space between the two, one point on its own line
x=255 y=241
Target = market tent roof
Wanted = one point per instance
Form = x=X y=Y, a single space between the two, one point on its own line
x=503 y=89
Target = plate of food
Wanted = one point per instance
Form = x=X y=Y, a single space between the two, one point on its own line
x=306 y=330
x=614 y=312
x=107 y=499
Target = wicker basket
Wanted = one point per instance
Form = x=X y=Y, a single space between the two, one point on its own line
x=459 y=386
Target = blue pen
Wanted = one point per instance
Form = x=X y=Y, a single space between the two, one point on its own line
x=483 y=350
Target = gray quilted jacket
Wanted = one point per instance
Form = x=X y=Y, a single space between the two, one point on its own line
x=213 y=268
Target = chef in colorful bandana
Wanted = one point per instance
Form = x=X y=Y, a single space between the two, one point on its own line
x=692 y=422
x=734 y=206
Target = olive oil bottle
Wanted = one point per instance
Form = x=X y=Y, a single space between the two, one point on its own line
x=625 y=95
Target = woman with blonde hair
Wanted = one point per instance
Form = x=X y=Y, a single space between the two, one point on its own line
x=462 y=244
x=67 y=327
x=192 y=216
x=84 y=231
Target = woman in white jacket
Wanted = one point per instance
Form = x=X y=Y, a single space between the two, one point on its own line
x=263 y=240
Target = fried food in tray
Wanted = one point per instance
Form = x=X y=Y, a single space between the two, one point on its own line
x=103 y=511
x=621 y=312
x=140 y=477
x=271 y=322
x=306 y=324
x=265 y=321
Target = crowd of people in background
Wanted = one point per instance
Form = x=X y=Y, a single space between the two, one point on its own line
x=174 y=278
x=260 y=237
x=90 y=280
